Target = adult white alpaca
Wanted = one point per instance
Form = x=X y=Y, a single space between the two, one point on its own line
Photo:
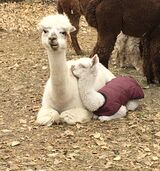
x=87 y=73
x=61 y=100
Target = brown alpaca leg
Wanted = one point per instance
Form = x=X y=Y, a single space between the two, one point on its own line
x=104 y=47
x=75 y=22
x=147 y=65
x=148 y=72
x=156 y=66
x=75 y=43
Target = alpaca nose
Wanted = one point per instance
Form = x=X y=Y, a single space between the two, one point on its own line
x=53 y=37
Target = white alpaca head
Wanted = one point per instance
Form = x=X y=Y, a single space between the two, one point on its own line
x=84 y=67
x=55 y=29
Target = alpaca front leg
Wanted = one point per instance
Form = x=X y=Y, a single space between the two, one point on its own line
x=47 y=116
x=76 y=115
x=93 y=100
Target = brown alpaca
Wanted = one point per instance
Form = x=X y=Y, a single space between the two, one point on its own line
x=74 y=9
x=109 y=17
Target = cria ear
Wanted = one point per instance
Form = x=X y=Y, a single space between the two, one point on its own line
x=95 y=60
x=72 y=29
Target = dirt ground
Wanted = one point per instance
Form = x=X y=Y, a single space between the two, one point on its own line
x=131 y=143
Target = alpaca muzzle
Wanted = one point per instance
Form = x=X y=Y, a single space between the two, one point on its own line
x=53 y=42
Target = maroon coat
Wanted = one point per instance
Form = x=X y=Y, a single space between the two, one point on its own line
x=118 y=92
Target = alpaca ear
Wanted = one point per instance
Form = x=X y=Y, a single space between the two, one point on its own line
x=72 y=29
x=95 y=60
x=72 y=68
x=39 y=27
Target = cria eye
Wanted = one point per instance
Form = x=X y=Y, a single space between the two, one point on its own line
x=64 y=33
x=82 y=66
x=45 y=31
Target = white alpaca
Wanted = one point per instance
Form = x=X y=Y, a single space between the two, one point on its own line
x=87 y=71
x=103 y=75
x=61 y=100
x=127 y=52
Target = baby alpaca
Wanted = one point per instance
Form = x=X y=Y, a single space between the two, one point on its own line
x=109 y=102
x=103 y=75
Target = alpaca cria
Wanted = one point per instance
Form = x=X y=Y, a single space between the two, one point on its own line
x=61 y=101
x=134 y=18
x=74 y=9
x=108 y=103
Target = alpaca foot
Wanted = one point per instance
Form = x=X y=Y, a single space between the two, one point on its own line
x=77 y=115
x=47 y=116
x=105 y=118
x=132 y=105
x=95 y=116
x=121 y=113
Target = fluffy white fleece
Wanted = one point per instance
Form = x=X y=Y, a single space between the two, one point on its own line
x=127 y=52
x=90 y=73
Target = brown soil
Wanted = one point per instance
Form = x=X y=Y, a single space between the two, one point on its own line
x=132 y=143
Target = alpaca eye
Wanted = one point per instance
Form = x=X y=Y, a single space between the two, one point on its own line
x=82 y=66
x=45 y=31
x=64 y=33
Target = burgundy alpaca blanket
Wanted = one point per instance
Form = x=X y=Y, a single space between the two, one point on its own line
x=118 y=92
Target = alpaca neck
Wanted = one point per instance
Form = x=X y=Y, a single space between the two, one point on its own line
x=59 y=74
x=86 y=85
